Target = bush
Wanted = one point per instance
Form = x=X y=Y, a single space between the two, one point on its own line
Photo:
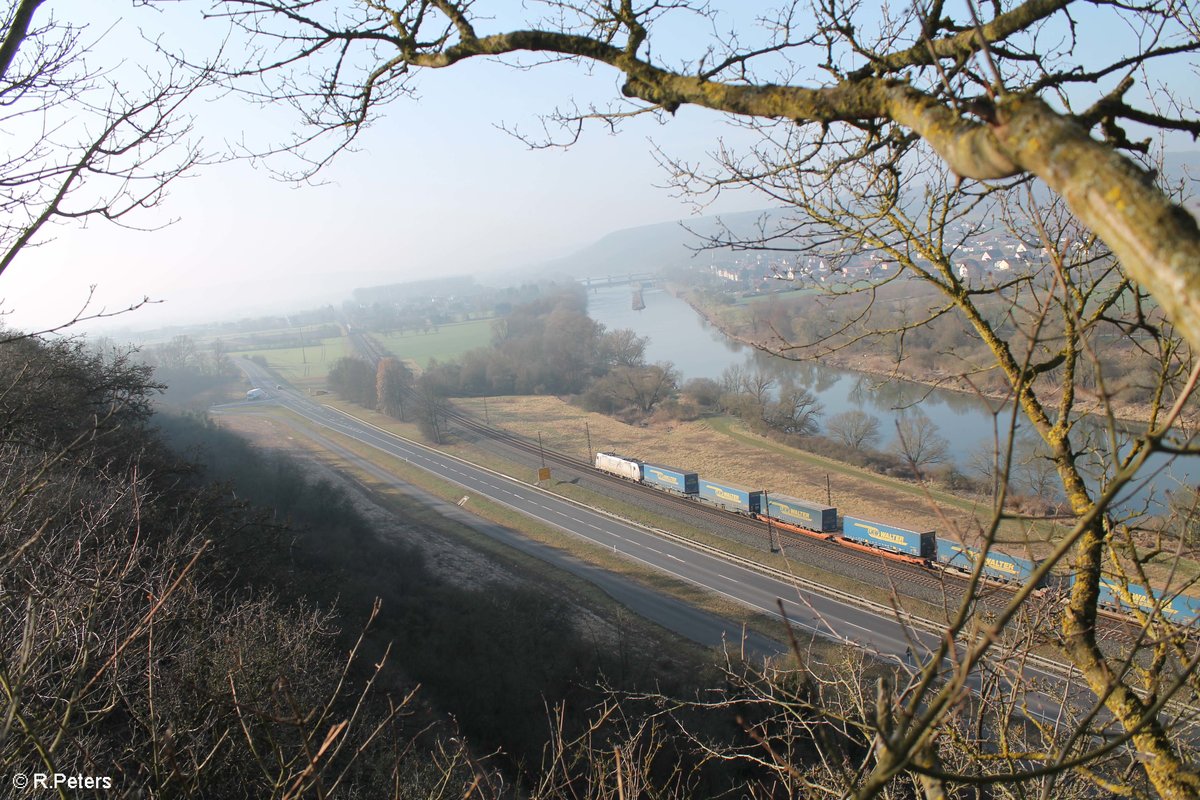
x=141 y=650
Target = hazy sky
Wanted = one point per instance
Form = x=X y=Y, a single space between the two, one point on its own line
x=435 y=188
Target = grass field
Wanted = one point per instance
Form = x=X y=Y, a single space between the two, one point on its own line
x=756 y=299
x=449 y=342
x=303 y=366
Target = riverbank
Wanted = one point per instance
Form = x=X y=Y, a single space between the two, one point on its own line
x=879 y=366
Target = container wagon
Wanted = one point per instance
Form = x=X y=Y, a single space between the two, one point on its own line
x=802 y=513
x=628 y=468
x=730 y=497
x=670 y=478
x=919 y=544
x=1184 y=609
x=1000 y=566
x=1122 y=597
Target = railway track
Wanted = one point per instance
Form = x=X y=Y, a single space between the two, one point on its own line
x=812 y=550
x=817 y=550
x=808 y=549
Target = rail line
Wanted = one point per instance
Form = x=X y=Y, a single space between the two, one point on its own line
x=768 y=533
x=816 y=549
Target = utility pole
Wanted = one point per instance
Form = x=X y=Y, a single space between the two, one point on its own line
x=544 y=472
x=486 y=421
x=828 y=491
x=588 y=432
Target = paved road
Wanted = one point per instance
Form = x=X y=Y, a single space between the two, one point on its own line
x=676 y=615
x=811 y=613
x=807 y=612
x=816 y=614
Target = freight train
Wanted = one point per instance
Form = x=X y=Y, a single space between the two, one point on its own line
x=923 y=548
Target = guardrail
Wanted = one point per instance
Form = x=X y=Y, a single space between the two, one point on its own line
x=905 y=617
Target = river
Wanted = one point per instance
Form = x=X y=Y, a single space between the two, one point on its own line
x=970 y=424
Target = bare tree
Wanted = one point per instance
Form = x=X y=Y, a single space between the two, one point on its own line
x=925 y=122
x=918 y=441
x=652 y=384
x=430 y=407
x=704 y=391
x=1033 y=470
x=758 y=386
x=733 y=378
x=354 y=379
x=88 y=142
x=796 y=411
x=623 y=348
x=1184 y=504
x=639 y=388
x=854 y=428
x=393 y=381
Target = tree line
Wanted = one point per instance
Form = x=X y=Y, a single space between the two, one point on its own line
x=608 y=373
x=873 y=330
x=548 y=345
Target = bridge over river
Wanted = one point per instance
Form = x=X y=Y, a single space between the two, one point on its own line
x=643 y=278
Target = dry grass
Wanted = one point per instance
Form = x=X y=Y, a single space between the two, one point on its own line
x=405 y=520
x=747 y=459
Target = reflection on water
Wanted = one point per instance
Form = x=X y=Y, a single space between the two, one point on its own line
x=676 y=333
x=970 y=424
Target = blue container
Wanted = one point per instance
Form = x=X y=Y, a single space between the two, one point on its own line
x=956 y=555
x=922 y=544
x=997 y=565
x=729 y=496
x=1108 y=598
x=807 y=515
x=1182 y=609
x=1115 y=593
x=670 y=478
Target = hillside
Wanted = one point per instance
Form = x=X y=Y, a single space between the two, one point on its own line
x=650 y=248
x=667 y=245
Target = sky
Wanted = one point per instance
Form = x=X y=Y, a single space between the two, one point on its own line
x=434 y=188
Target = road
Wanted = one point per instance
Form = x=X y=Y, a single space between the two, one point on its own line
x=807 y=612
x=673 y=614
x=874 y=629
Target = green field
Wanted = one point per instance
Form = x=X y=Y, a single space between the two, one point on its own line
x=303 y=365
x=784 y=296
x=449 y=342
